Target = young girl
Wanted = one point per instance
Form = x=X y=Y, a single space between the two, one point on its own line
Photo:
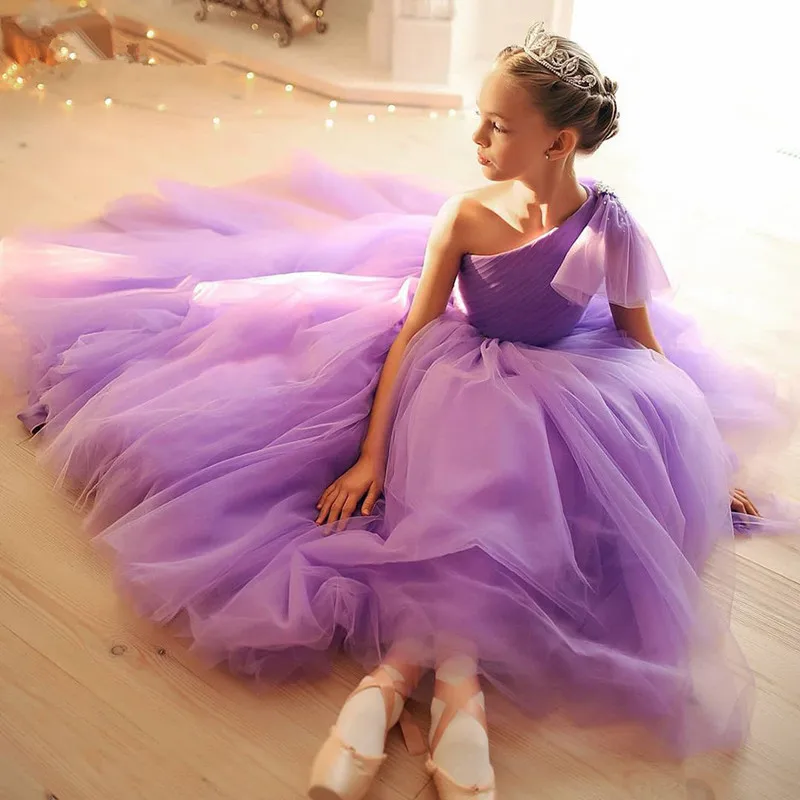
x=524 y=482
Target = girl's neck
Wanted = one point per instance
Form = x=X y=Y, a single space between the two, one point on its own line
x=553 y=198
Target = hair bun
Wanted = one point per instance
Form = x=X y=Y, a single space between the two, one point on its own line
x=608 y=116
x=609 y=86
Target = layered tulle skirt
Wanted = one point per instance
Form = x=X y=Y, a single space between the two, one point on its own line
x=201 y=366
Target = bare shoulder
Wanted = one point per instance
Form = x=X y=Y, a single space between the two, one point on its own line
x=460 y=208
x=485 y=202
x=464 y=218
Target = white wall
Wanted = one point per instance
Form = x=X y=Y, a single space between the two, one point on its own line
x=504 y=22
x=708 y=99
x=715 y=76
x=451 y=42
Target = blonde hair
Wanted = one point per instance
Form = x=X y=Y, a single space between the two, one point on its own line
x=593 y=113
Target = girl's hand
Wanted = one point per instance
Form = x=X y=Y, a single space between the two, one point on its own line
x=340 y=500
x=742 y=504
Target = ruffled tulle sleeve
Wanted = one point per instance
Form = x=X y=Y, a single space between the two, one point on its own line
x=612 y=256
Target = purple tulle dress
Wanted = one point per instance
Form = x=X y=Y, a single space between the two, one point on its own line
x=202 y=365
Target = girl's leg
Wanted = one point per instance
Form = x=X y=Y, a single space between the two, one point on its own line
x=350 y=758
x=363 y=721
x=459 y=741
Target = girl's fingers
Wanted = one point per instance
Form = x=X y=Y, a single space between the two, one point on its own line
x=372 y=498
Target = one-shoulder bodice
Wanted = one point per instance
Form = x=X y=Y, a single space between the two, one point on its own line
x=509 y=295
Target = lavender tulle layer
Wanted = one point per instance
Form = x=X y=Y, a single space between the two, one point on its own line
x=201 y=365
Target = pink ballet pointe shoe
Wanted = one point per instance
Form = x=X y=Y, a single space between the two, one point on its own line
x=339 y=771
x=455 y=700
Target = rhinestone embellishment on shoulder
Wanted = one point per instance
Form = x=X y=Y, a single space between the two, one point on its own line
x=604 y=188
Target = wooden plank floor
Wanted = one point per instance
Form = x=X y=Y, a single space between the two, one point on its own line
x=95 y=703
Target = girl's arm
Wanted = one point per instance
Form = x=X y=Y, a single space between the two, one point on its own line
x=446 y=246
x=636 y=323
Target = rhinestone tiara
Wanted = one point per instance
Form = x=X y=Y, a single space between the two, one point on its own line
x=543 y=48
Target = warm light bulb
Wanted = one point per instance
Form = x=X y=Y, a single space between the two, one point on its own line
x=233 y=13
x=20 y=81
x=254 y=26
x=64 y=51
x=40 y=87
x=161 y=107
x=370 y=118
x=250 y=75
x=151 y=34
x=216 y=120
x=69 y=103
x=289 y=87
x=328 y=123
x=333 y=104
x=434 y=115
x=73 y=56
x=14 y=67
x=108 y=101
x=151 y=61
x=83 y=3
x=451 y=112
x=391 y=109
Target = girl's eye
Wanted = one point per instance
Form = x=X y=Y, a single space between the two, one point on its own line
x=495 y=126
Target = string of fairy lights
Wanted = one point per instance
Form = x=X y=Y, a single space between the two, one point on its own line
x=39 y=78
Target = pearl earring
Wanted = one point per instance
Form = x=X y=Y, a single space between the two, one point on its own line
x=547 y=155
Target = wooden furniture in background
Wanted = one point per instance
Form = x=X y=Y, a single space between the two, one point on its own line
x=23 y=47
x=271 y=11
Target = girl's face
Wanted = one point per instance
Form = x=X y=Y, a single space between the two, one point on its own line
x=512 y=134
